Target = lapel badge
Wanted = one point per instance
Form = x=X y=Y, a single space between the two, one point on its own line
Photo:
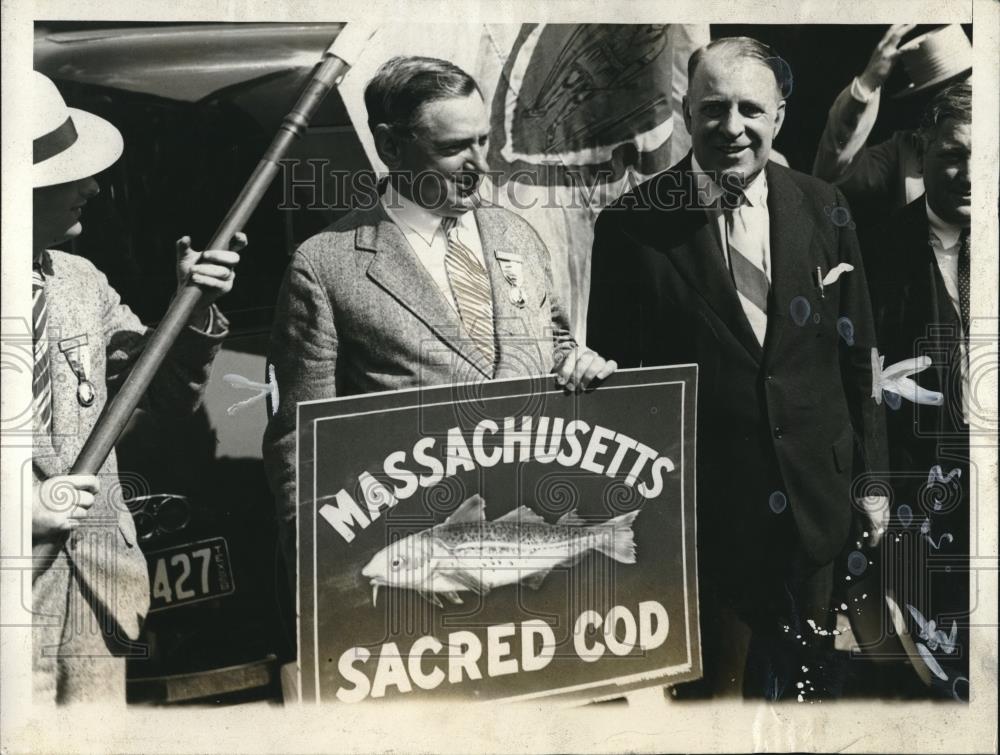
x=516 y=296
x=512 y=266
x=77 y=354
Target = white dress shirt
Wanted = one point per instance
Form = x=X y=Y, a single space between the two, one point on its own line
x=944 y=241
x=422 y=229
x=754 y=212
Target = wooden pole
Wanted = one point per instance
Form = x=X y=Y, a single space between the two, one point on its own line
x=117 y=412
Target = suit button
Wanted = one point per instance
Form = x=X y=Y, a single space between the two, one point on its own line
x=777 y=432
x=769 y=378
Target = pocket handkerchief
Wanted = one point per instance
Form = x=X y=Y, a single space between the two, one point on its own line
x=835 y=273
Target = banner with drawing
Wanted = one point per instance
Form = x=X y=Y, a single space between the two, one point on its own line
x=503 y=540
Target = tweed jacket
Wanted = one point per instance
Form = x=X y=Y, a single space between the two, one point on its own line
x=87 y=320
x=359 y=313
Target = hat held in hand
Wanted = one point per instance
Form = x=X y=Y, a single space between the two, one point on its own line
x=68 y=144
x=935 y=58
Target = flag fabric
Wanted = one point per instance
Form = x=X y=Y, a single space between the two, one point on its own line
x=579 y=114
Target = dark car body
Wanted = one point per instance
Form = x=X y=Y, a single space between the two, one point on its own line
x=197 y=106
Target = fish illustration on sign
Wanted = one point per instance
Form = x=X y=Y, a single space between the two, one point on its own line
x=466 y=553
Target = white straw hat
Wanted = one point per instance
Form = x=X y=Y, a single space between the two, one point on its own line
x=69 y=144
x=934 y=58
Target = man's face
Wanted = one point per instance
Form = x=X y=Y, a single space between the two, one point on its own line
x=945 y=165
x=445 y=158
x=57 y=211
x=733 y=112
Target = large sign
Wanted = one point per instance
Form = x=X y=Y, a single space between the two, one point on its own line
x=502 y=540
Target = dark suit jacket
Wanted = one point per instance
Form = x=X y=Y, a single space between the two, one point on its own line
x=795 y=416
x=915 y=317
x=359 y=313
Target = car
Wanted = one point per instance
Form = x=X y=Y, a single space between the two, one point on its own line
x=197 y=105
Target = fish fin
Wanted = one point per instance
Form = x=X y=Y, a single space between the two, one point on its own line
x=571 y=519
x=453 y=597
x=439 y=548
x=431 y=597
x=616 y=539
x=521 y=514
x=470 y=581
x=472 y=510
x=535 y=579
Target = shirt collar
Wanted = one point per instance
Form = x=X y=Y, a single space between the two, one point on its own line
x=420 y=220
x=43 y=263
x=755 y=193
x=946 y=234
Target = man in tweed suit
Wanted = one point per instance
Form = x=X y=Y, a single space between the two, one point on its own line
x=424 y=288
x=90 y=601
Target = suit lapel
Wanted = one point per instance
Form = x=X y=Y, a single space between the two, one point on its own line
x=701 y=262
x=936 y=309
x=939 y=306
x=493 y=237
x=791 y=232
x=397 y=270
x=57 y=454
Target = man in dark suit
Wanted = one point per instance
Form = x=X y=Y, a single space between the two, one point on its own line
x=425 y=288
x=733 y=263
x=920 y=267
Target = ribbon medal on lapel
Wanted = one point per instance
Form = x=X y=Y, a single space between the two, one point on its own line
x=78 y=355
x=512 y=266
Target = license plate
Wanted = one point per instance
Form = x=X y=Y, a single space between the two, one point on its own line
x=189 y=573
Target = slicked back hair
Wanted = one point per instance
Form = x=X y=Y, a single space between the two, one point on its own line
x=404 y=84
x=747 y=48
x=951 y=103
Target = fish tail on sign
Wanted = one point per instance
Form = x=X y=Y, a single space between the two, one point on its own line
x=617 y=540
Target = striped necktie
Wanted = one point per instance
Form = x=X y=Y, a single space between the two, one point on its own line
x=964 y=294
x=964 y=281
x=470 y=285
x=748 y=266
x=42 y=379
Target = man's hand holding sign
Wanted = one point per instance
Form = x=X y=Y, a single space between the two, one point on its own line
x=582 y=369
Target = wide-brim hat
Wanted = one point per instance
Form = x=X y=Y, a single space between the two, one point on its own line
x=935 y=58
x=69 y=144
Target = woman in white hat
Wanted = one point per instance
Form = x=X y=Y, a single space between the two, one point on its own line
x=884 y=177
x=92 y=599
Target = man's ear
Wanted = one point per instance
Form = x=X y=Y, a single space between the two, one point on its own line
x=779 y=118
x=686 y=112
x=387 y=145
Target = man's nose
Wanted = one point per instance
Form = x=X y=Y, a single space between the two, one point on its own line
x=962 y=174
x=88 y=188
x=477 y=158
x=732 y=123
